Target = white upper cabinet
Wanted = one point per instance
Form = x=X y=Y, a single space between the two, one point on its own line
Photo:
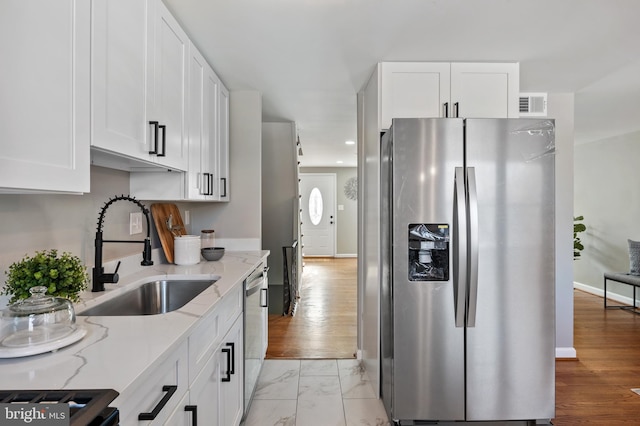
x=167 y=90
x=119 y=44
x=223 y=143
x=44 y=96
x=139 y=65
x=204 y=86
x=434 y=89
x=485 y=90
x=414 y=89
x=207 y=135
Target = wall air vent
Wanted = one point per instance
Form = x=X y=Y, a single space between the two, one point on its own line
x=533 y=104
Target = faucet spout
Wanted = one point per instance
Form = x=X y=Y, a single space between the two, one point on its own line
x=99 y=276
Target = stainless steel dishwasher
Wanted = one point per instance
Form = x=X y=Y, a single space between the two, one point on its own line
x=255 y=329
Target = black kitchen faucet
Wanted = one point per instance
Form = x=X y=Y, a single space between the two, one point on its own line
x=99 y=277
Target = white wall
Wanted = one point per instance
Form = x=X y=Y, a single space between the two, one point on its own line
x=68 y=222
x=607 y=178
x=560 y=107
x=280 y=193
x=369 y=239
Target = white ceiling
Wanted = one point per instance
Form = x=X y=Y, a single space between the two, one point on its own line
x=309 y=58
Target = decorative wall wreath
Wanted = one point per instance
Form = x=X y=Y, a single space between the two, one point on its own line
x=351 y=188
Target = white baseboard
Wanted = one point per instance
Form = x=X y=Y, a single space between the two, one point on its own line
x=600 y=292
x=346 y=255
x=566 y=353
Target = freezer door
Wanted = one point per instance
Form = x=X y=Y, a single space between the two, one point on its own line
x=511 y=346
x=428 y=348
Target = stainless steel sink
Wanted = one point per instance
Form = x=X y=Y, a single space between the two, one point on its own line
x=152 y=298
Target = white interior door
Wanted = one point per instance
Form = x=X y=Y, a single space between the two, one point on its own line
x=318 y=217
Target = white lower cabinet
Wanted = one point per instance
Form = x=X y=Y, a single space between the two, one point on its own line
x=232 y=391
x=202 y=381
x=159 y=395
x=215 y=396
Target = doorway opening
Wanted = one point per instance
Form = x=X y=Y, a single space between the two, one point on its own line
x=325 y=323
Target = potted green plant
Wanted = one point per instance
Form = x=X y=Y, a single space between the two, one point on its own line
x=577 y=228
x=63 y=275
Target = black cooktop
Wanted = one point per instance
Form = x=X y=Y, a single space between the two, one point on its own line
x=87 y=407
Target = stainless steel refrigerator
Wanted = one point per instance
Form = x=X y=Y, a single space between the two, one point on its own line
x=468 y=272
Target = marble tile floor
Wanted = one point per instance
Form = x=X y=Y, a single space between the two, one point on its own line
x=325 y=392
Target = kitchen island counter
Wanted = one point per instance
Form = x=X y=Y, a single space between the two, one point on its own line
x=119 y=352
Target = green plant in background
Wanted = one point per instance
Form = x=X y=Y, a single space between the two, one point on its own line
x=577 y=228
x=64 y=276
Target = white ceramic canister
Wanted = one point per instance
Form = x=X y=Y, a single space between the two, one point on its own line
x=186 y=249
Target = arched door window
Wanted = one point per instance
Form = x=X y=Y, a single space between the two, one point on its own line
x=315 y=206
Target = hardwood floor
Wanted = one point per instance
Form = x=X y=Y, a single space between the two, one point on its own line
x=325 y=323
x=593 y=390
x=596 y=389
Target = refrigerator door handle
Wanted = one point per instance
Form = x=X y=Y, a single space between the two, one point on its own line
x=460 y=250
x=472 y=205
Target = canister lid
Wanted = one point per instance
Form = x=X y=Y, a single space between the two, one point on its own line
x=207 y=231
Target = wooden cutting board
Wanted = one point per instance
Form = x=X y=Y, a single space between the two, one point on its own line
x=161 y=213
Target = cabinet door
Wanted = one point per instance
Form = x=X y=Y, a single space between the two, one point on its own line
x=44 y=96
x=223 y=143
x=233 y=391
x=197 y=182
x=206 y=390
x=414 y=89
x=210 y=148
x=485 y=90
x=181 y=416
x=167 y=101
x=119 y=76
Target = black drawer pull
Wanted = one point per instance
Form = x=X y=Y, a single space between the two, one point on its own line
x=170 y=390
x=224 y=181
x=194 y=413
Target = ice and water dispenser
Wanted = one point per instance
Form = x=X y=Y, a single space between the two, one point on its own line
x=429 y=252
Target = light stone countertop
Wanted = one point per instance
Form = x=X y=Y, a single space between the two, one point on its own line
x=119 y=352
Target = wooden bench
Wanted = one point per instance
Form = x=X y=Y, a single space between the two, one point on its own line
x=624 y=278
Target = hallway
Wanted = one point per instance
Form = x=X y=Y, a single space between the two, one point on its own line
x=325 y=323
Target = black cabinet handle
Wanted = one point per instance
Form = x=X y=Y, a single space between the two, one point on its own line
x=155 y=137
x=266 y=298
x=228 y=372
x=207 y=179
x=224 y=181
x=210 y=184
x=170 y=390
x=233 y=357
x=194 y=413
x=446 y=109
x=164 y=140
x=456 y=106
